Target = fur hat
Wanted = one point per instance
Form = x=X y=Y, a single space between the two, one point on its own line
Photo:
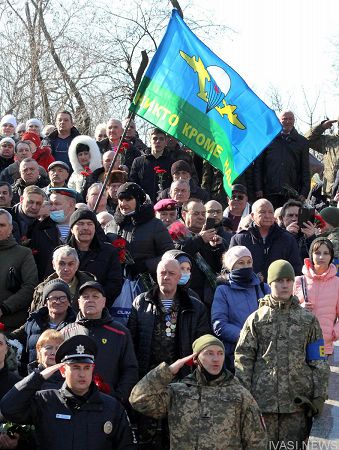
x=9 y=118
x=36 y=122
x=117 y=176
x=180 y=166
x=280 y=269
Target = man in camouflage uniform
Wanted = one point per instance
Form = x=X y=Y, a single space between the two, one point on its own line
x=280 y=359
x=329 y=146
x=208 y=409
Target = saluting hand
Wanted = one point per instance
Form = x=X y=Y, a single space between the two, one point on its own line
x=177 y=365
x=46 y=373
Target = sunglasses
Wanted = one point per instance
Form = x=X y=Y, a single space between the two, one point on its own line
x=237 y=197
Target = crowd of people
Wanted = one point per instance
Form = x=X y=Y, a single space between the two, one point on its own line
x=141 y=306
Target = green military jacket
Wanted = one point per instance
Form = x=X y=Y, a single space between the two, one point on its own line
x=329 y=146
x=218 y=415
x=270 y=357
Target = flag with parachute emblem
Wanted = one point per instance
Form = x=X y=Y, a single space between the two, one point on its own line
x=191 y=94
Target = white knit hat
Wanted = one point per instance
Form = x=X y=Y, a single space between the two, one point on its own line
x=33 y=121
x=9 y=140
x=8 y=118
x=233 y=254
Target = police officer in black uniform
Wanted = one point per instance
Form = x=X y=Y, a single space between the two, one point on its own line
x=75 y=417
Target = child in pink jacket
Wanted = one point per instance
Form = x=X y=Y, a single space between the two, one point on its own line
x=318 y=289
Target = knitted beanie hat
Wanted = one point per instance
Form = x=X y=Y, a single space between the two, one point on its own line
x=204 y=341
x=280 y=269
x=233 y=254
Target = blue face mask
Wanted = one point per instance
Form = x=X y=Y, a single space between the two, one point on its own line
x=57 y=216
x=184 y=279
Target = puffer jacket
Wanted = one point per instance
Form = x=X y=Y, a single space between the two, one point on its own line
x=77 y=180
x=270 y=357
x=323 y=292
x=231 y=306
x=29 y=333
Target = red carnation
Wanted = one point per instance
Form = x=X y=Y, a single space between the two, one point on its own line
x=100 y=384
x=2 y=326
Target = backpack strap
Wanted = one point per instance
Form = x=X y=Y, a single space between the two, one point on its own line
x=304 y=288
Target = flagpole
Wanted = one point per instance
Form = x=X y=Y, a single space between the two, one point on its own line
x=141 y=70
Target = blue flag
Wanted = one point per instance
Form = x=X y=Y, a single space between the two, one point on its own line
x=191 y=94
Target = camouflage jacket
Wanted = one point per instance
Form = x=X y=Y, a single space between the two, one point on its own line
x=270 y=357
x=329 y=146
x=217 y=415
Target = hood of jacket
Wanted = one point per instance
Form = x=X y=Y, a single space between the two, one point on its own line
x=95 y=162
x=143 y=214
x=309 y=272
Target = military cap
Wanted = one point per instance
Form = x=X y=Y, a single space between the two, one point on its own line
x=77 y=349
x=280 y=269
x=205 y=341
x=166 y=204
x=92 y=285
x=239 y=188
x=59 y=164
x=63 y=191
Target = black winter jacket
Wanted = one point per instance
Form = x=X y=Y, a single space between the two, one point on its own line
x=285 y=162
x=61 y=421
x=115 y=362
x=279 y=244
x=102 y=261
x=192 y=323
x=147 y=237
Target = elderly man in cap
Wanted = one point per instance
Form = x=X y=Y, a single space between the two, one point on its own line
x=116 y=362
x=78 y=415
x=115 y=180
x=207 y=409
x=238 y=206
x=166 y=211
x=95 y=256
x=280 y=359
x=66 y=265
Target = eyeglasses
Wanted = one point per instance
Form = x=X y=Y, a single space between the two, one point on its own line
x=237 y=197
x=55 y=299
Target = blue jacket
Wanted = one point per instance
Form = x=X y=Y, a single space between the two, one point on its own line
x=231 y=306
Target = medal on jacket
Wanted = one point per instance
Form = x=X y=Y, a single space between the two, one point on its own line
x=108 y=427
x=171 y=323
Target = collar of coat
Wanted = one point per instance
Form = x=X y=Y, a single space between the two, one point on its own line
x=293 y=302
x=197 y=378
x=181 y=296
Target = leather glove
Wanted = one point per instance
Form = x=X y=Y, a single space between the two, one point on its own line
x=318 y=404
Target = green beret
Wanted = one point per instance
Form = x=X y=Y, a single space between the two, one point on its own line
x=205 y=341
x=280 y=269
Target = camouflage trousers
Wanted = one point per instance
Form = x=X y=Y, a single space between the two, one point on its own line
x=287 y=431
